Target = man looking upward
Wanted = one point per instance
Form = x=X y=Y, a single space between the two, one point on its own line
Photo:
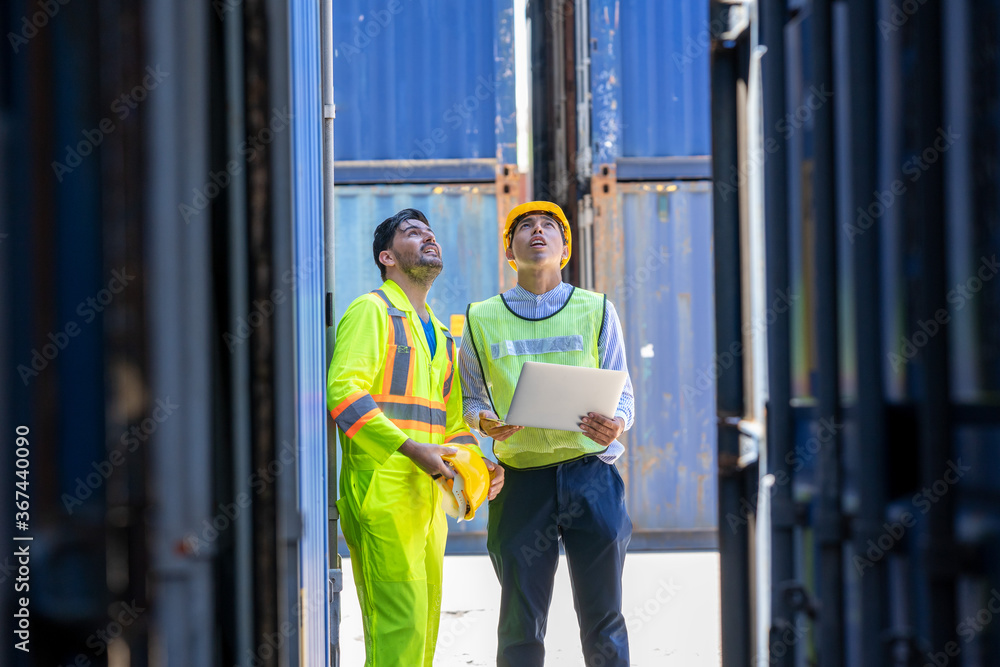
x=557 y=482
x=396 y=399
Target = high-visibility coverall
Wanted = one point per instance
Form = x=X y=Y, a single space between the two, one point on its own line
x=383 y=387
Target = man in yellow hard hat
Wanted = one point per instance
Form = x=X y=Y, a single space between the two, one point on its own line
x=559 y=485
x=397 y=402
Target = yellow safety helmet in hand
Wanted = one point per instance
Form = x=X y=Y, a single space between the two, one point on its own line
x=537 y=208
x=463 y=495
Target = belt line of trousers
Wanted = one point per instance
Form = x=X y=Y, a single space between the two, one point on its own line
x=582 y=504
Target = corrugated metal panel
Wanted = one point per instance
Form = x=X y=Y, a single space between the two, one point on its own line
x=464 y=219
x=310 y=389
x=421 y=80
x=178 y=295
x=667 y=309
x=665 y=86
x=650 y=81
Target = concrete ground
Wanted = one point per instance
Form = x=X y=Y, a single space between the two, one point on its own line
x=671 y=606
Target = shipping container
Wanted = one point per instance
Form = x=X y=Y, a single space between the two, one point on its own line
x=874 y=533
x=648 y=238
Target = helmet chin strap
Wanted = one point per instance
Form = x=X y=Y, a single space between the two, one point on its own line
x=455 y=500
x=461 y=498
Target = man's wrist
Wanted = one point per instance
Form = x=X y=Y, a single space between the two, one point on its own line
x=407 y=448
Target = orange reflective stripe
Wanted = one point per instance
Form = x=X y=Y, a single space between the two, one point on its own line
x=380 y=294
x=394 y=381
x=410 y=400
x=346 y=403
x=408 y=332
x=361 y=422
x=418 y=426
x=390 y=366
x=350 y=415
x=397 y=377
x=410 y=372
x=414 y=413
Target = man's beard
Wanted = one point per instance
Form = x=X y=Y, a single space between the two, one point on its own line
x=420 y=268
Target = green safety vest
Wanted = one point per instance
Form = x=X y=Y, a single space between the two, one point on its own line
x=503 y=341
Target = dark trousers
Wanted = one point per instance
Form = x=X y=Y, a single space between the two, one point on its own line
x=583 y=504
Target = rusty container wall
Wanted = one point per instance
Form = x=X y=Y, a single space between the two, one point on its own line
x=652 y=253
x=649 y=79
x=665 y=301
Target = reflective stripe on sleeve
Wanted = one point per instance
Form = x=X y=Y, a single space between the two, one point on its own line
x=352 y=410
x=414 y=413
x=461 y=438
x=358 y=425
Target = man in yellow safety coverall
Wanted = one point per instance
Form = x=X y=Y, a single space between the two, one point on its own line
x=396 y=397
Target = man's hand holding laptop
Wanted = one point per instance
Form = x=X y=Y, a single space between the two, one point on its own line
x=493 y=427
x=602 y=430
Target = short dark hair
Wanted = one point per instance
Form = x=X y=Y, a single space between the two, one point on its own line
x=387 y=230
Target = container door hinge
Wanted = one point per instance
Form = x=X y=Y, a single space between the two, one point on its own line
x=751 y=438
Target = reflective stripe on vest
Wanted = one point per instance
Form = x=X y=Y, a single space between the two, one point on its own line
x=506 y=348
x=503 y=341
x=450 y=372
x=399 y=368
x=396 y=400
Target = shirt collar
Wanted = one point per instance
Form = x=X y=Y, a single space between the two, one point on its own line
x=521 y=294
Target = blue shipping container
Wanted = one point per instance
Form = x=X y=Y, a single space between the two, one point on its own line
x=666 y=305
x=403 y=96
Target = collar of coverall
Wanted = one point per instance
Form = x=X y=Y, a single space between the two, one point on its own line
x=401 y=301
x=397 y=295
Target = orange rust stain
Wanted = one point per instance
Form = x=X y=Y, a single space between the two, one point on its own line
x=649 y=464
x=702 y=479
x=706 y=459
x=670 y=453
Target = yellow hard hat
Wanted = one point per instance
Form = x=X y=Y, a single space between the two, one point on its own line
x=463 y=495
x=535 y=208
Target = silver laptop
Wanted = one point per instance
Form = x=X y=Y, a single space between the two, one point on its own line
x=556 y=396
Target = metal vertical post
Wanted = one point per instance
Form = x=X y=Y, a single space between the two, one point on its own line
x=178 y=288
x=870 y=435
x=239 y=301
x=334 y=573
x=773 y=15
x=935 y=382
x=829 y=530
x=734 y=546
